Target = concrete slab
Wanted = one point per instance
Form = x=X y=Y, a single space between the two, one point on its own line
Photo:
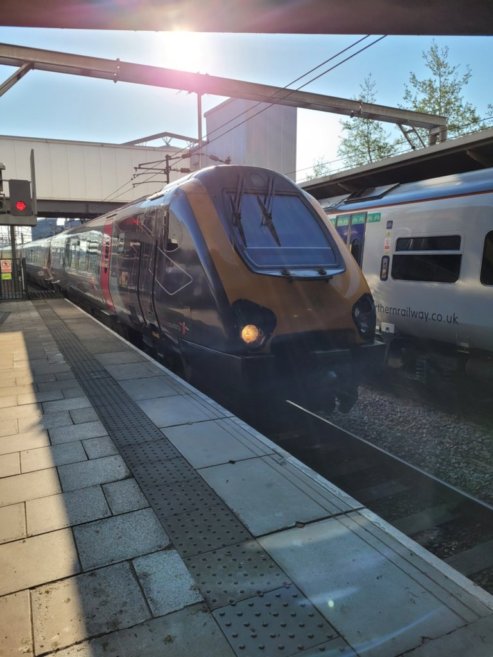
x=99 y=447
x=50 y=421
x=475 y=640
x=48 y=457
x=80 y=415
x=214 y=442
x=37 y=560
x=132 y=370
x=75 y=609
x=26 y=412
x=66 y=404
x=149 y=388
x=168 y=411
x=380 y=610
x=38 y=397
x=120 y=357
x=120 y=537
x=15 y=625
x=124 y=496
x=10 y=464
x=166 y=582
x=263 y=499
x=12 y=522
x=9 y=427
x=58 y=511
x=29 y=486
x=187 y=633
x=90 y=473
x=82 y=431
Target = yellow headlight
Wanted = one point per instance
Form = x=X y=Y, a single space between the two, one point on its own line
x=251 y=334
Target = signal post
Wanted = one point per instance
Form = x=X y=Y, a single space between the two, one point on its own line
x=18 y=209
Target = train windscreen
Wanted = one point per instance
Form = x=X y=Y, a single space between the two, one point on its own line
x=281 y=232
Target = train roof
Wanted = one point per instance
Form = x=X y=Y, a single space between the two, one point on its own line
x=471 y=182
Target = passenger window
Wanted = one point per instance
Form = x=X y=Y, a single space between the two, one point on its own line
x=435 y=258
x=487 y=264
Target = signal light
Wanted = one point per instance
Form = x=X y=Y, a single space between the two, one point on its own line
x=20 y=198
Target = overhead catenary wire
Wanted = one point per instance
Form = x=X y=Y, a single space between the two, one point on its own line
x=288 y=90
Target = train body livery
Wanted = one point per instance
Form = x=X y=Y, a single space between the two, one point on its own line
x=231 y=274
x=426 y=250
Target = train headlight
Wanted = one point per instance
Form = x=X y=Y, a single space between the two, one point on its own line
x=252 y=335
x=364 y=316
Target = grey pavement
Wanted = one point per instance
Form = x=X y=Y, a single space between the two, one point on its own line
x=203 y=540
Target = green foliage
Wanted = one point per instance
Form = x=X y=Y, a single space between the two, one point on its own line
x=442 y=93
x=320 y=168
x=364 y=140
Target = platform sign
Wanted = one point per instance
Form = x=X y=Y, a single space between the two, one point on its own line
x=6 y=270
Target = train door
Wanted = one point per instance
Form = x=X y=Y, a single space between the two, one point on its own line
x=151 y=229
x=105 y=264
x=351 y=227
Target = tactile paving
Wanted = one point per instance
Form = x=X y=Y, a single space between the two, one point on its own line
x=235 y=573
x=206 y=529
x=180 y=498
x=281 y=622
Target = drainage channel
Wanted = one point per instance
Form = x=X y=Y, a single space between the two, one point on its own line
x=256 y=605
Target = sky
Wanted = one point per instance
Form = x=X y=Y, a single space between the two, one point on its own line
x=51 y=105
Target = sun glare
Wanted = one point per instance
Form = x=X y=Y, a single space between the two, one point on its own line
x=185 y=51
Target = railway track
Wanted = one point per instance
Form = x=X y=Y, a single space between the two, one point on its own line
x=449 y=523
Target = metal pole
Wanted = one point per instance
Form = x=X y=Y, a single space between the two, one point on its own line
x=199 y=119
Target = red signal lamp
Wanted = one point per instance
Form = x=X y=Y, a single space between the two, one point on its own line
x=20 y=206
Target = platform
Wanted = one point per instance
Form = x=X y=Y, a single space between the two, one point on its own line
x=138 y=518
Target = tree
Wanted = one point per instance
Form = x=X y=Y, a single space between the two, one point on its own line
x=442 y=93
x=320 y=168
x=364 y=140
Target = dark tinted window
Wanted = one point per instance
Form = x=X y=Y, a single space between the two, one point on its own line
x=429 y=243
x=437 y=268
x=487 y=263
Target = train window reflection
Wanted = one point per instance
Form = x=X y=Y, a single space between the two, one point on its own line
x=429 y=243
x=487 y=264
x=282 y=231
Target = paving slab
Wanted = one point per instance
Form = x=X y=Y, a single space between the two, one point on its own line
x=214 y=442
x=10 y=464
x=190 y=632
x=80 y=415
x=150 y=387
x=166 y=582
x=9 y=427
x=124 y=496
x=49 y=457
x=99 y=447
x=475 y=639
x=29 y=486
x=50 y=421
x=90 y=604
x=66 y=404
x=12 y=522
x=120 y=537
x=262 y=498
x=58 y=511
x=95 y=471
x=378 y=608
x=132 y=370
x=168 y=411
x=120 y=357
x=37 y=560
x=77 y=431
x=15 y=625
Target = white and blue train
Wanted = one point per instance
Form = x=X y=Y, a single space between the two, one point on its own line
x=426 y=250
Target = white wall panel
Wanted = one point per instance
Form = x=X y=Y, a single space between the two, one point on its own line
x=82 y=171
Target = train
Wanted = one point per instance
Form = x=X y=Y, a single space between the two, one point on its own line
x=426 y=250
x=231 y=275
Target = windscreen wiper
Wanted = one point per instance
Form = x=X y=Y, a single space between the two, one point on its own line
x=266 y=208
x=236 y=209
